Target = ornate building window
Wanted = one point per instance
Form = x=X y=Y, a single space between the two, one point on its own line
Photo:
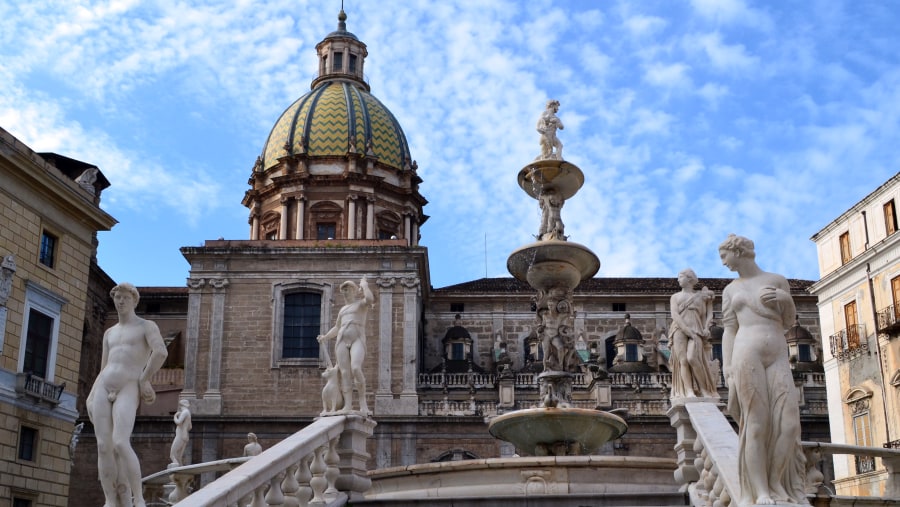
x=40 y=331
x=388 y=225
x=325 y=230
x=298 y=319
x=326 y=217
x=858 y=401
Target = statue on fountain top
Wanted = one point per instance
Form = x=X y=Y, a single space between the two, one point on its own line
x=547 y=125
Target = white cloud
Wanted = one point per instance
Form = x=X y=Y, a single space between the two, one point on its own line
x=672 y=75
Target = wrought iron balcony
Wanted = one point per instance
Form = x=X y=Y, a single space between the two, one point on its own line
x=849 y=343
x=888 y=321
x=893 y=444
x=865 y=464
x=38 y=388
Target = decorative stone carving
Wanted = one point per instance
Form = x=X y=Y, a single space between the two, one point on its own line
x=133 y=351
x=349 y=333
x=757 y=309
x=7 y=271
x=182 y=419
x=547 y=125
x=87 y=179
x=386 y=282
x=551 y=220
x=689 y=337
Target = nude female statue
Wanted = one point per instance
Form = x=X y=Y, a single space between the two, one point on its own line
x=757 y=309
x=182 y=419
x=133 y=350
x=691 y=313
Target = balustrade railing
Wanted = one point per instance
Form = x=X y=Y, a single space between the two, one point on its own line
x=526 y=380
x=319 y=465
x=707 y=458
x=850 y=342
x=38 y=388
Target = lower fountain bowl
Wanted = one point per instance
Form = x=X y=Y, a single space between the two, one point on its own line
x=558 y=431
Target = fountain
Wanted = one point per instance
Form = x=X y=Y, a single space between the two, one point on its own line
x=554 y=266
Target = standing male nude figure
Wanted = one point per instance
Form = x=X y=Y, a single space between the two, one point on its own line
x=133 y=350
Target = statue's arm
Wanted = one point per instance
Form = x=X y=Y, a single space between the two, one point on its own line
x=158 y=352
x=730 y=325
x=677 y=319
x=787 y=306
x=367 y=293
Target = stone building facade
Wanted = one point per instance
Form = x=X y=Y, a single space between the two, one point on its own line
x=50 y=211
x=859 y=305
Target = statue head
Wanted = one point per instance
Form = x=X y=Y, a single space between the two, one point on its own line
x=739 y=245
x=128 y=288
x=553 y=104
x=688 y=274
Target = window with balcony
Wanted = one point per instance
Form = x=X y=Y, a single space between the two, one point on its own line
x=888 y=318
x=40 y=331
x=845 y=248
x=858 y=400
x=890 y=218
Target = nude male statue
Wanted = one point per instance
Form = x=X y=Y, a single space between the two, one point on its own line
x=133 y=350
x=349 y=332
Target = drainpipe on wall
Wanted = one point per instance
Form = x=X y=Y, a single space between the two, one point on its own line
x=887 y=422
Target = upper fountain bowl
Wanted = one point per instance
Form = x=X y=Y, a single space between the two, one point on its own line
x=540 y=175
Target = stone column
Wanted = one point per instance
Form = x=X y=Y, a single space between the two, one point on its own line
x=254 y=221
x=409 y=399
x=212 y=398
x=283 y=226
x=407 y=228
x=354 y=478
x=351 y=216
x=301 y=208
x=414 y=235
x=370 y=217
x=192 y=337
x=384 y=398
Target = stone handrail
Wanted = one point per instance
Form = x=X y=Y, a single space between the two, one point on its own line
x=309 y=467
x=707 y=457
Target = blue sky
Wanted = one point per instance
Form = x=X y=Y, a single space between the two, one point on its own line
x=690 y=119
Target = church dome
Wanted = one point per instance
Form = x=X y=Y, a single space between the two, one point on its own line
x=336 y=118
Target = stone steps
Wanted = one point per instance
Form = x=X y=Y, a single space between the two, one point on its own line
x=570 y=500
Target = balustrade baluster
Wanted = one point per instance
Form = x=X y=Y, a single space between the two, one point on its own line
x=318 y=483
x=303 y=476
x=258 y=497
x=275 y=496
x=289 y=487
x=332 y=471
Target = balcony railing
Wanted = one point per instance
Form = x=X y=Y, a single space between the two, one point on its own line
x=35 y=387
x=888 y=321
x=865 y=464
x=849 y=343
x=893 y=444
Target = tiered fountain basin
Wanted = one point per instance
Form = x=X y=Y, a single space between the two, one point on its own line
x=550 y=263
x=558 y=431
x=566 y=178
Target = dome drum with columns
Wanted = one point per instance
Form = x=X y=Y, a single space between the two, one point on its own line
x=336 y=164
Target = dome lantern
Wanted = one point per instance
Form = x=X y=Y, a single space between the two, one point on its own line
x=341 y=56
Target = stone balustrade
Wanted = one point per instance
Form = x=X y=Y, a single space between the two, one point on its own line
x=320 y=464
x=707 y=459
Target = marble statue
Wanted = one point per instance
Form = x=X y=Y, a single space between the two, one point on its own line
x=133 y=350
x=551 y=220
x=689 y=335
x=555 y=327
x=253 y=447
x=87 y=179
x=182 y=421
x=349 y=333
x=332 y=399
x=547 y=125
x=757 y=310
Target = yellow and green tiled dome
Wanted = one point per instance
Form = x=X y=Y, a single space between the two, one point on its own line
x=326 y=120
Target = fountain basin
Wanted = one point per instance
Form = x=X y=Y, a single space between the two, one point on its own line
x=547 y=263
x=566 y=178
x=543 y=431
